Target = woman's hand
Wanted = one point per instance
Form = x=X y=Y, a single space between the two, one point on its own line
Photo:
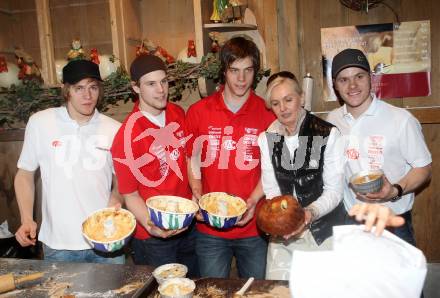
x=304 y=226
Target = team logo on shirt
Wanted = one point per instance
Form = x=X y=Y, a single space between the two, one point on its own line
x=174 y=155
x=352 y=153
x=229 y=145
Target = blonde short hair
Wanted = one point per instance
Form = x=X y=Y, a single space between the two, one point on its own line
x=278 y=81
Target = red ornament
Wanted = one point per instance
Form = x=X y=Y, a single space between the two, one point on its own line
x=94 y=56
x=25 y=69
x=166 y=55
x=191 y=49
x=3 y=65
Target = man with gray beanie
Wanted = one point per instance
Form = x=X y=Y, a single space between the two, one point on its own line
x=378 y=136
x=71 y=146
x=149 y=157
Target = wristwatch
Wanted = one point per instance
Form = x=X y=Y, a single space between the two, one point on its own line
x=399 y=192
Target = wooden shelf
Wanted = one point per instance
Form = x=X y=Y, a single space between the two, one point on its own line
x=227 y=27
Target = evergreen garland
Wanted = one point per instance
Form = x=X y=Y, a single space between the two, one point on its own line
x=18 y=103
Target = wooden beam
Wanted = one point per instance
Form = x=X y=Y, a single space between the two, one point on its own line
x=46 y=42
x=198 y=28
x=288 y=35
x=427 y=116
x=116 y=29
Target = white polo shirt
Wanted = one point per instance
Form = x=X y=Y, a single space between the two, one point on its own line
x=383 y=137
x=76 y=171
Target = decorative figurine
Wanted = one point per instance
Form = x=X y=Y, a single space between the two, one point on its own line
x=215 y=17
x=217 y=41
x=141 y=50
x=28 y=68
x=76 y=52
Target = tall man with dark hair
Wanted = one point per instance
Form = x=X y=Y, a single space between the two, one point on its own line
x=378 y=135
x=71 y=146
x=149 y=158
x=228 y=160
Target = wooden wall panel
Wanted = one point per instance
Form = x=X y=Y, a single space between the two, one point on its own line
x=267 y=21
x=5 y=36
x=21 y=29
x=87 y=20
x=125 y=28
x=9 y=153
x=288 y=36
x=427 y=203
x=169 y=24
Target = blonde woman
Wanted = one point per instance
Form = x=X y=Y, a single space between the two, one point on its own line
x=300 y=157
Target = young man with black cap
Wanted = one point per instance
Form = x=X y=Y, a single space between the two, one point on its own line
x=71 y=146
x=378 y=135
x=149 y=157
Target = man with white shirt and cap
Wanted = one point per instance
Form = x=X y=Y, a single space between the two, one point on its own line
x=377 y=135
x=71 y=147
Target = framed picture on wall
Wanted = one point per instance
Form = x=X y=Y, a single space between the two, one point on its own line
x=399 y=56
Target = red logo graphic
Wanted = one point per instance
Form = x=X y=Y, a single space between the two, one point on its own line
x=352 y=154
x=56 y=143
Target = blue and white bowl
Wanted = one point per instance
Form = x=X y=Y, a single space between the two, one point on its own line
x=95 y=230
x=221 y=210
x=171 y=212
x=365 y=182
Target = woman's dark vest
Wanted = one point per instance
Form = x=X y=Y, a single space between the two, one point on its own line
x=304 y=172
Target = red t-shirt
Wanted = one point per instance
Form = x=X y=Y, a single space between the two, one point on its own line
x=229 y=153
x=159 y=154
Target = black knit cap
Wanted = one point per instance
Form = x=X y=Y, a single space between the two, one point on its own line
x=77 y=70
x=349 y=58
x=145 y=64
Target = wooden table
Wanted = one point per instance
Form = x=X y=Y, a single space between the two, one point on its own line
x=224 y=288
x=78 y=279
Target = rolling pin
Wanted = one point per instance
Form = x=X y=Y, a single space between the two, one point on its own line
x=8 y=282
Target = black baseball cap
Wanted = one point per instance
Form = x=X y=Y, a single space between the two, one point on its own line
x=145 y=64
x=76 y=70
x=349 y=58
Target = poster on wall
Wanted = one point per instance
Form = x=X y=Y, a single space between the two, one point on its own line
x=399 y=56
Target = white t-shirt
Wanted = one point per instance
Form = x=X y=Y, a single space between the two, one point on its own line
x=383 y=137
x=76 y=171
x=332 y=171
